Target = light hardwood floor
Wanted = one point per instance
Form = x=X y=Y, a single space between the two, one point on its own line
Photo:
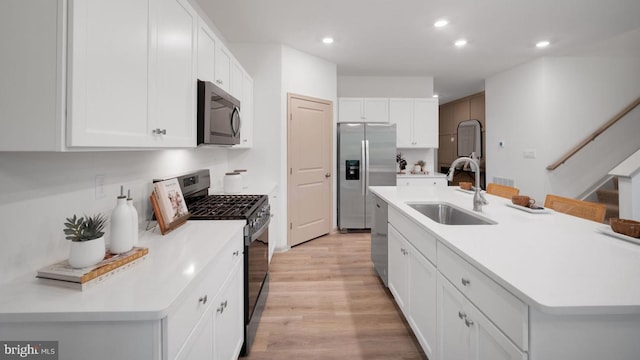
x=326 y=302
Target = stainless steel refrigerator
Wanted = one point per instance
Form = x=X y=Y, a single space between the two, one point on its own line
x=366 y=157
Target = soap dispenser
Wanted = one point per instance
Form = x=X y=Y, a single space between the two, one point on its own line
x=121 y=234
x=134 y=219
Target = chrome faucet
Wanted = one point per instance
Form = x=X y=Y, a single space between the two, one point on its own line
x=478 y=197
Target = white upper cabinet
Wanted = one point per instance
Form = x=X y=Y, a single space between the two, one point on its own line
x=246 y=114
x=207 y=42
x=416 y=122
x=363 y=109
x=223 y=67
x=108 y=75
x=132 y=85
x=173 y=122
x=236 y=79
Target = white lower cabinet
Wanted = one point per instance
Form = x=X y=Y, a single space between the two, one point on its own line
x=412 y=281
x=455 y=311
x=465 y=333
x=228 y=321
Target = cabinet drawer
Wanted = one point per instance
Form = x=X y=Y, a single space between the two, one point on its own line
x=194 y=304
x=422 y=240
x=506 y=311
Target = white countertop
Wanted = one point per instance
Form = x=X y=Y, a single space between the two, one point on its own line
x=555 y=262
x=430 y=175
x=144 y=292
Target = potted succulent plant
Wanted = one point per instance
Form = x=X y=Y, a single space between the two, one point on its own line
x=87 y=239
x=421 y=163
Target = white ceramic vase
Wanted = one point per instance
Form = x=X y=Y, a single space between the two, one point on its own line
x=86 y=253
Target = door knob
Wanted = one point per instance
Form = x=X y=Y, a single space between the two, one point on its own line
x=327 y=175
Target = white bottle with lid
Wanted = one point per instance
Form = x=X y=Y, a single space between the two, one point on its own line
x=121 y=234
x=245 y=178
x=134 y=219
x=232 y=183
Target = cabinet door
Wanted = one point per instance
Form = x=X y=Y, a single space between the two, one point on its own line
x=453 y=335
x=200 y=343
x=223 y=67
x=350 y=109
x=206 y=52
x=425 y=123
x=486 y=341
x=247 y=114
x=401 y=114
x=422 y=301
x=228 y=315
x=175 y=86
x=398 y=268
x=108 y=73
x=236 y=80
x=460 y=113
x=376 y=110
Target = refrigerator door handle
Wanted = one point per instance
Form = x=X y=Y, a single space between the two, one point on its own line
x=366 y=167
x=362 y=159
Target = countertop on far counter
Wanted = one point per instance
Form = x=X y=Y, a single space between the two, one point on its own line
x=146 y=292
x=430 y=175
x=555 y=262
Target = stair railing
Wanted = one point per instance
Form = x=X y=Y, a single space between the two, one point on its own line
x=593 y=135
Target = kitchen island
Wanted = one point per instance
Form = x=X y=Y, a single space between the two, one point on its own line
x=546 y=285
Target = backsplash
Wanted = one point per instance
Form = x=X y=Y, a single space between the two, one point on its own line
x=39 y=190
x=413 y=155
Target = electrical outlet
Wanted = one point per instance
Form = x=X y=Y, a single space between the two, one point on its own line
x=100 y=179
x=529 y=154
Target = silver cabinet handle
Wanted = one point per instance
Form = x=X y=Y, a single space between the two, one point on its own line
x=223 y=305
x=468 y=322
x=203 y=299
x=160 y=131
x=462 y=315
x=327 y=175
x=465 y=282
x=236 y=253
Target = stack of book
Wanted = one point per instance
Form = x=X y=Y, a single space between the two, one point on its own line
x=62 y=274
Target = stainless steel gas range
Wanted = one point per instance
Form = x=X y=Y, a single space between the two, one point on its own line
x=255 y=210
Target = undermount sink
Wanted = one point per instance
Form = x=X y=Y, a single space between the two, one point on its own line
x=448 y=214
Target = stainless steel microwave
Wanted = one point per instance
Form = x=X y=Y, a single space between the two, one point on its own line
x=218 y=116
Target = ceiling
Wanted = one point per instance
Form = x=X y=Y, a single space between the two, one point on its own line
x=397 y=37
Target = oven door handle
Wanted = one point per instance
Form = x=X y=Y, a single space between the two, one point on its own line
x=258 y=233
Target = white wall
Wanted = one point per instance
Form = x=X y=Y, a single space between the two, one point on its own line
x=276 y=71
x=39 y=190
x=263 y=161
x=385 y=86
x=550 y=105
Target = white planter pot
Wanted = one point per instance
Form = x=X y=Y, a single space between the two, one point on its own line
x=86 y=253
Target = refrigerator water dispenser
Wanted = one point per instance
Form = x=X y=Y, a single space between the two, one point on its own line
x=352 y=169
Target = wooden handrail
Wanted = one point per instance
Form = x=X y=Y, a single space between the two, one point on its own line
x=595 y=134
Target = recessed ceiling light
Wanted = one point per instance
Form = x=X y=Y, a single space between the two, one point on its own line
x=460 y=43
x=435 y=96
x=327 y=40
x=441 y=23
x=542 y=44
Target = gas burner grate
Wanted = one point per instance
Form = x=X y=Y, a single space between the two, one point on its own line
x=225 y=207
